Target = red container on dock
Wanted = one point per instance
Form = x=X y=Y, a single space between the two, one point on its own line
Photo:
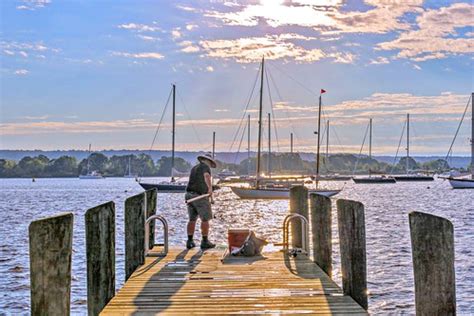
x=237 y=237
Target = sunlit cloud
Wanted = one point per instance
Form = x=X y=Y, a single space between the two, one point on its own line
x=437 y=34
x=145 y=55
x=379 y=61
x=25 y=49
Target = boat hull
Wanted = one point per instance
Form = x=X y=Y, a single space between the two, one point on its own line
x=374 y=180
x=461 y=183
x=165 y=188
x=274 y=194
x=90 y=177
x=413 y=178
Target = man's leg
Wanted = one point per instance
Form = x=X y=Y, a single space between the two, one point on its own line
x=190 y=229
x=204 y=228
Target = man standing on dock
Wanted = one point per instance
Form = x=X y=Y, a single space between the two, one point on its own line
x=200 y=183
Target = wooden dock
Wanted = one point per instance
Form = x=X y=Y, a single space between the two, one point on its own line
x=195 y=282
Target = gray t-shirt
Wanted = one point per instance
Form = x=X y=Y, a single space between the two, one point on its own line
x=197 y=183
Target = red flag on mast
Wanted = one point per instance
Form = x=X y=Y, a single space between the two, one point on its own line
x=323 y=91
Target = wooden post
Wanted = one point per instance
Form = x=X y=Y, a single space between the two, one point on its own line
x=299 y=205
x=321 y=232
x=134 y=233
x=50 y=264
x=432 y=244
x=100 y=250
x=351 y=222
x=151 y=196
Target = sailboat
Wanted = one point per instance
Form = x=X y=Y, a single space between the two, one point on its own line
x=129 y=168
x=370 y=178
x=466 y=182
x=90 y=175
x=408 y=176
x=171 y=186
x=259 y=190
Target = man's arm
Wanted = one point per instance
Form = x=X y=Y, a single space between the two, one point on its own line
x=208 y=179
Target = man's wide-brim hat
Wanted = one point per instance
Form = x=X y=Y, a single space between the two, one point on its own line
x=209 y=158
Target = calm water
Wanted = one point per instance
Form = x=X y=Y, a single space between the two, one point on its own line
x=388 y=243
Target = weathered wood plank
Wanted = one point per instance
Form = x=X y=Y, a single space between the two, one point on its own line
x=321 y=231
x=100 y=251
x=134 y=232
x=432 y=241
x=151 y=197
x=299 y=205
x=194 y=282
x=50 y=264
x=351 y=222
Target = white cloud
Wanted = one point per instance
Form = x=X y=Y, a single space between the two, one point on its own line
x=191 y=27
x=209 y=69
x=189 y=47
x=21 y=72
x=379 y=61
x=176 y=33
x=33 y=4
x=145 y=55
x=24 y=49
x=139 y=27
x=147 y=38
x=415 y=66
x=436 y=36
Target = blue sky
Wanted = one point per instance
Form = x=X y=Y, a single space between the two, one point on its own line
x=100 y=72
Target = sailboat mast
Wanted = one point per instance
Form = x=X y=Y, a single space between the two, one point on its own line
x=408 y=142
x=269 y=167
x=327 y=140
x=173 y=131
x=291 y=143
x=370 y=138
x=472 y=135
x=257 y=176
x=319 y=140
x=88 y=158
x=213 y=144
x=248 y=144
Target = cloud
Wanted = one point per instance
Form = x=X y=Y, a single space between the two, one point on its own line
x=251 y=49
x=415 y=66
x=221 y=110
x=33 y=4
x=379 y=61
x=21 y=72
x=189 y=47
x=139 y=27
x=210 y=69
x=324 y=16
x=148 y=38
x=24 y=49
x=176 y=33
x=191 y=27
x=437 y=34
x=145 y=55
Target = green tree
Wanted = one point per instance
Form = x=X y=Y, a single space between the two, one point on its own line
x=163 y=166
x=64 y=166
x=7 y=168
x=97 y=162
x=31 y=166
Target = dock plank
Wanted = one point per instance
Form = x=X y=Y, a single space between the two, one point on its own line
x=198 y=283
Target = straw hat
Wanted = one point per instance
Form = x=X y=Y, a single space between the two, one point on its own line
x=209 y=158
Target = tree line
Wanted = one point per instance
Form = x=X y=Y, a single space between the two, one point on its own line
x=143 y=165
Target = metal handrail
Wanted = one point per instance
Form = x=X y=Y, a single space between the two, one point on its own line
x=147 y=236
x=304 y=232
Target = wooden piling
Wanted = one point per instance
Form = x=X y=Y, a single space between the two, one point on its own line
x=299 y=205
x=432 y=241
x=351 y=222
x=151 y=196
x=134 y=232
x=50 y=242
x=321 y=231
x=100 y=250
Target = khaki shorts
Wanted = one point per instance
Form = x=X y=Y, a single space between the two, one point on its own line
x=201 y=208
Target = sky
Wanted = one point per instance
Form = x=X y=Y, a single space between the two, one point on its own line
x=77 y=72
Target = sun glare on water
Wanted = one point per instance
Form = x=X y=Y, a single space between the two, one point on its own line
x=271 y=3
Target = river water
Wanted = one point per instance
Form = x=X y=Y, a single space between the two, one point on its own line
x=390 y=275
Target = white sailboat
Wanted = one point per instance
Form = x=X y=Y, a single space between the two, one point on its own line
x=171 y=186
x=90 y=175
x=466 y=182
x=371 y=178
x=408 y=176
x=129 y=167
x=260 y=191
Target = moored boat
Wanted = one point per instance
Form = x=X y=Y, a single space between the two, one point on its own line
x=376 y=179
x=275 y=193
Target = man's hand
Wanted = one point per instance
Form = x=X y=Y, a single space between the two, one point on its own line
x=208 y=179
